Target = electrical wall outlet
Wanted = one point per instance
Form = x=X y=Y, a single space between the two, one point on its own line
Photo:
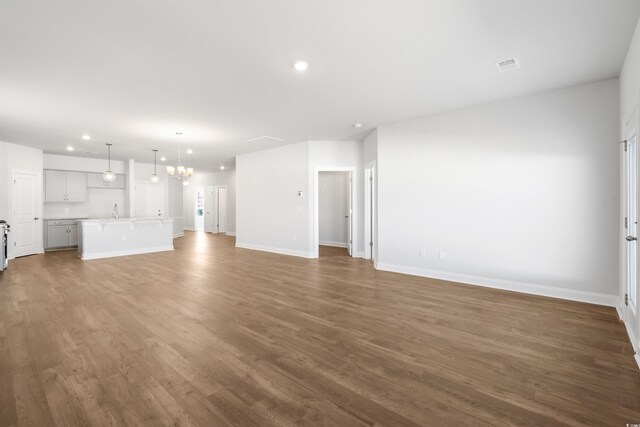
x=423 y=252
x=441 y=255
x=124 y=238
x=66 y=210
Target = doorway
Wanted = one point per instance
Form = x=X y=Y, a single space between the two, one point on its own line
x=334 y=211
x=25 y=226
x=198 y=220
x=215 y=204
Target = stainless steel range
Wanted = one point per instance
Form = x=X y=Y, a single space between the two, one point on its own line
x=4 y=229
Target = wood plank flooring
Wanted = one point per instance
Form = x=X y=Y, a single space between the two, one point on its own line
x=211 y=335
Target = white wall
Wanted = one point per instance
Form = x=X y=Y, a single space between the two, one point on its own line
x=270 y=215
x=333 y=206
x=211 y=179
x=630 y=77
x=18 y=158
x=521 y=194
x=81 y=164
x=341 y=154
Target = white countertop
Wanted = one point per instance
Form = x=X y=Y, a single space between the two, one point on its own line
x=113 y=220
x=64 y=218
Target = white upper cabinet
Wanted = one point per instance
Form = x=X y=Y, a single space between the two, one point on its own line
x=60 y=186
x=76 y=186
x=55 y=186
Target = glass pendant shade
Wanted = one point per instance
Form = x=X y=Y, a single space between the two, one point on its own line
x=181 y=170
x=109 y=176
x=171 y=171
x=155 y=178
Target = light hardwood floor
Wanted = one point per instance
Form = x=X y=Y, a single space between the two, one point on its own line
x=213 y=335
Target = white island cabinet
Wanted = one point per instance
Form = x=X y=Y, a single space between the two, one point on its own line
x=105 y=238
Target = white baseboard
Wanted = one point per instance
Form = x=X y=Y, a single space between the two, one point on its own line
x=334 y=244
x=274 y=250
x=178 y=235
x=630 y=334
x=230 y=233
x=358 y=254
x=189 y=229
x=126 y=252
x=507 y=285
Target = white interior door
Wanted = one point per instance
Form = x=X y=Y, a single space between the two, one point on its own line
x=26 y=201
x=149 y=199
x=222 y=209
x=630 y=314
x=209 y=212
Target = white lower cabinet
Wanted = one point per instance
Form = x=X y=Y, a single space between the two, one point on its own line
x=61 y=234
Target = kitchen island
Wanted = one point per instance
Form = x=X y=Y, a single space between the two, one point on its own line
x=105 y=238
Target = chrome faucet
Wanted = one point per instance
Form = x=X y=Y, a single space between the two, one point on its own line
x=114 y=214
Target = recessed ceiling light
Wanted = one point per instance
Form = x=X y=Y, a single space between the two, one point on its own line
x=357 y=125
x=86 y=137
x=163 y=159
x=221 y=168
x=301 y=65
x=189 y=151
x=70 y=148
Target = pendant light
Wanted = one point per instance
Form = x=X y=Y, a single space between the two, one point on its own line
x=109 y=176
x=154 y=177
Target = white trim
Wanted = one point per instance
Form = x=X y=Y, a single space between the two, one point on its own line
x=358 y=254
x=507 y=285
x=274 y=250
x=178 y=235
x=334 y=244
x=230 y=233
x=634 y=346
x=111 y=254
x=189 y=229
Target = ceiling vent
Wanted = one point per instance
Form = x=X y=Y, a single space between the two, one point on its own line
x=508 y=65
x=265 y=140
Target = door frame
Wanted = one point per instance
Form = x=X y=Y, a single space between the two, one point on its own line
x=370 y=244
x=354 y=207
x=629 y=315
x=217 y=208
x=39 y=237
x=195 y=207
x=210 y=195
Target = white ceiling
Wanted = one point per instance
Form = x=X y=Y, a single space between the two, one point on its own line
x=133 y=72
